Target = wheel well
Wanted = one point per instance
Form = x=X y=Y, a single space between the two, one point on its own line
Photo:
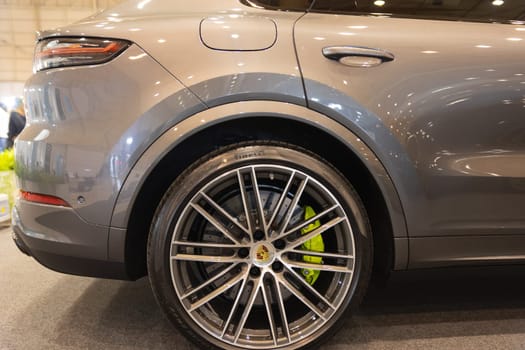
x=248 y=129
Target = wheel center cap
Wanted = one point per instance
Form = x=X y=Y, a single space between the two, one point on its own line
x=262 y=254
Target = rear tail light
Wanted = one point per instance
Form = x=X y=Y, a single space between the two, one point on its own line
x=43 y=199
x=63 y=52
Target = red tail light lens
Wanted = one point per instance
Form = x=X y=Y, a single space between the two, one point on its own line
x=62 y=52
x=43 y=199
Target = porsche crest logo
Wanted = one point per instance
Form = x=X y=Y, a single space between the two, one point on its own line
x=262 y=254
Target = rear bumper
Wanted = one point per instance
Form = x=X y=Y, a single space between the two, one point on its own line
x=38 y=230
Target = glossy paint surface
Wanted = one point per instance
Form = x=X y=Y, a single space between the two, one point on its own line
x=445 y=116
x=235 y=68
x=440 y=126
x=87 y=163
x=83 y=136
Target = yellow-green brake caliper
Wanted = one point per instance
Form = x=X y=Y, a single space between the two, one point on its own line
x=314 y=244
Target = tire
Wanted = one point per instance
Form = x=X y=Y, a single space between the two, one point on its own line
x=232 y=267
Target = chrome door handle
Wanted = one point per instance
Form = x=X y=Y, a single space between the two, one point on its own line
x=357 y=56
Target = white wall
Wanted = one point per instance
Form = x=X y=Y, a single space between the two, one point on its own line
x=19 y=21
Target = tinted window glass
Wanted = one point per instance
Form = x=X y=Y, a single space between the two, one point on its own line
x=294 y=5
x=475 y=10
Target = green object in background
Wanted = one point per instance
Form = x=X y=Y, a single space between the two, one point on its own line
x=7 y=175
x=7 y=159
x=315 y=244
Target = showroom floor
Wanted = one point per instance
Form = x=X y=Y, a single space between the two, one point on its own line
x=445 y=309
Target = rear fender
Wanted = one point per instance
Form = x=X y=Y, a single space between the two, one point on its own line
x=253 y=109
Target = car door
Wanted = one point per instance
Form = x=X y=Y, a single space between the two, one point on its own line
x=436 y=88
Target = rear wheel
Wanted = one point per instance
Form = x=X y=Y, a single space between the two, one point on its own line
x=259 y=246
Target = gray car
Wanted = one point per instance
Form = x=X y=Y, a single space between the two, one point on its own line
x=262 y=160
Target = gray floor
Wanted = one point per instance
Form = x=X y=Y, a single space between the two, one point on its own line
x=446 y=309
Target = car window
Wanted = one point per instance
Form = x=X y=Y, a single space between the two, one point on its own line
x=286 y=5
x=466 y=10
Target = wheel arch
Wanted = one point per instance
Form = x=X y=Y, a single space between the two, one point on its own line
x=244 y=121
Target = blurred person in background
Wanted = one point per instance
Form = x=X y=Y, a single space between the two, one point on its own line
x=4 y=121
x=17 y=122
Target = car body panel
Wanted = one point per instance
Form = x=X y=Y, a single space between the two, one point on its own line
x=445 y=116
x=61 y=240
x=216 y=76
x=439 y=128
x=50 y=228
x=83 y=138
x=117 y=244
x=62 y=152
x=168 y=102
x=466 y=250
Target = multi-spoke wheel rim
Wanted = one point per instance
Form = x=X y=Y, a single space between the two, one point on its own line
x=239 y=253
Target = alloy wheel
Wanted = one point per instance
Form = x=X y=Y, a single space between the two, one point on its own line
x=262 y=256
